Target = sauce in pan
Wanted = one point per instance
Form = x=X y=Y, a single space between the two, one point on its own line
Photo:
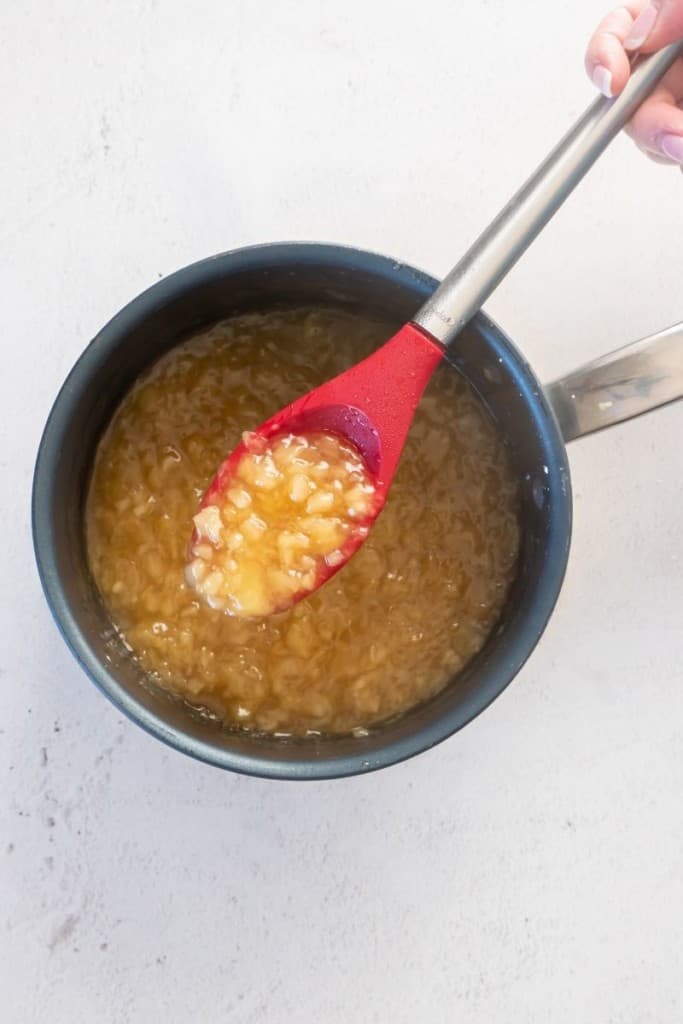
x=389 y=630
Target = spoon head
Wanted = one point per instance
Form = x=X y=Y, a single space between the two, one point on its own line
x=369 y=407
x=287 y=510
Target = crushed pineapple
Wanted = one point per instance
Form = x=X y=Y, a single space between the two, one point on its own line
x=292 y=507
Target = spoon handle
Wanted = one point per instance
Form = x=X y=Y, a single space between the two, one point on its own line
x=495 y=252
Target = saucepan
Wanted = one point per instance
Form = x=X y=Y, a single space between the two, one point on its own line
x=535 y=423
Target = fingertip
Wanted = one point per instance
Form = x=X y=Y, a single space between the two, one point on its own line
x=602 y=80
x=671 y=147
x=607 y=65
x=658 y=127
x=606 y=60
x=660 y=23
x=641 y=28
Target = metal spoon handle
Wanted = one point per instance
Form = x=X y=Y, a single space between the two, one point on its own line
x=469 y=284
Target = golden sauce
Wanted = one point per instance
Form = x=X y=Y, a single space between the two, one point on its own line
x=389 y=630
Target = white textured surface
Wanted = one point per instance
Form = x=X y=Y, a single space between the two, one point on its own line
x=529 y=870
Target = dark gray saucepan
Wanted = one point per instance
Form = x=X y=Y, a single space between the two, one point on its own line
x=532 y=421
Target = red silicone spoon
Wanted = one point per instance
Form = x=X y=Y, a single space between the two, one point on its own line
x=373 y=403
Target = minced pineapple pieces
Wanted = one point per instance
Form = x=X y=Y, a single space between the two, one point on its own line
x=292 y=506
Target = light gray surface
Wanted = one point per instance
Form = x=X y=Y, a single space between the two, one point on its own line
x=530 y=869
x=478 y=272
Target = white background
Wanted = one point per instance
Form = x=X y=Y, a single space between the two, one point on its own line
x=528 y=870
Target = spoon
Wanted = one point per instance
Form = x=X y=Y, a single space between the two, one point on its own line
x=373 y=403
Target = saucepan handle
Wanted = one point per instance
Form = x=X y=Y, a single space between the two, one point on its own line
x=623 y=384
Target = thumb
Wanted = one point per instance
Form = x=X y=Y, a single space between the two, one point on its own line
x=658 y=24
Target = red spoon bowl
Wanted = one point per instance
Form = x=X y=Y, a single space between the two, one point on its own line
x=371 y=405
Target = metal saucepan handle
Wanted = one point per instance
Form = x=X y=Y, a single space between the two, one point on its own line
x=618 y=386
x=472 y=280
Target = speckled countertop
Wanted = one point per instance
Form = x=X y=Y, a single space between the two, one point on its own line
x=530 y=869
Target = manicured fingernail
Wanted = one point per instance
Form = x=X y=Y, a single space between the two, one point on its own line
x=672 y=146
x=641 y=27
x=602 y=80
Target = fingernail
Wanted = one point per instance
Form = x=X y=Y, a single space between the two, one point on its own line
x=602 y=80
x=672 y=146
x=641 y=27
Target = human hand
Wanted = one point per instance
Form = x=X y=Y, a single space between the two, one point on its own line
x=644 y=26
